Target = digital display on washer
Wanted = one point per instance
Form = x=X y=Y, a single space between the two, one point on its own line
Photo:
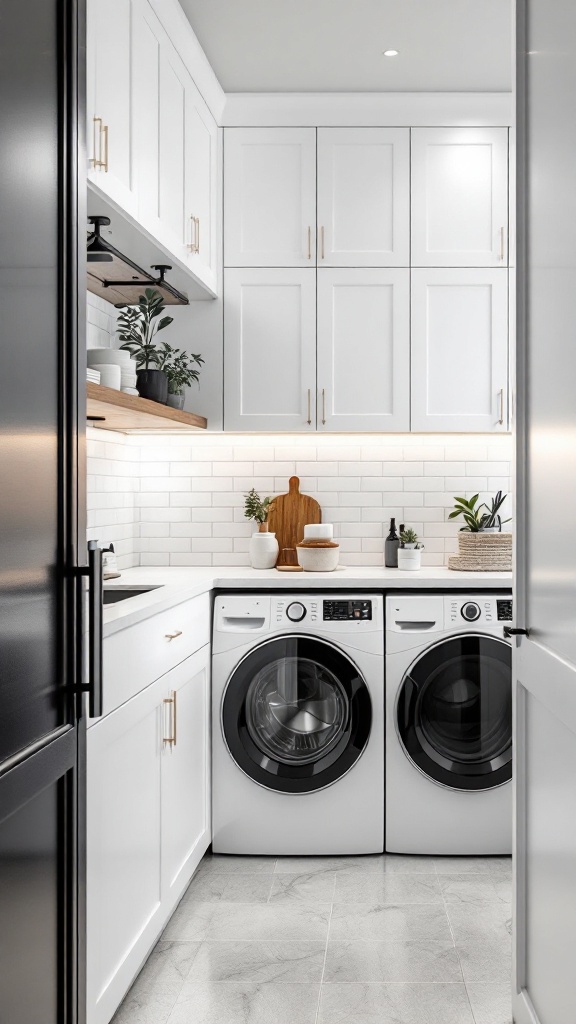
x=504 y=611
x=347 y=610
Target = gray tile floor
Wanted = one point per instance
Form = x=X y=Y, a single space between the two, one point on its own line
x=333 y=940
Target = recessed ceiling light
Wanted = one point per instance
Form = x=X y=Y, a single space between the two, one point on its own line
x=390 y=53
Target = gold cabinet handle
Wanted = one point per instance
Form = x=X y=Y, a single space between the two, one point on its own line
x=95 y=160
x=501 y=401
x=192 y=245
x=197 y=234
x=104 y=162
x=171 y=703
x=309 y=242
x=323 y=407
x=172 y=636
x=322 y=242
x=502 y=245
x=309 y=420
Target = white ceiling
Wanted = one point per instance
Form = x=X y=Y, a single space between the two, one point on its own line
x=336 y=45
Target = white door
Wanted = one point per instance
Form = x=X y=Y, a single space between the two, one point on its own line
x=459 y=197
x=175 y=228
x=270 y=349
x=200 y=188
x=545 y=662
x=123 y=848
x=363 y=350
x=364 y=197
x=185 y=773
x=109 y=43
x=459 y=350
x=269 y=197
x=149 y=40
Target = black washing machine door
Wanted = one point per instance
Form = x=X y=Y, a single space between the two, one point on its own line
x=454 y=712
x=296 y=714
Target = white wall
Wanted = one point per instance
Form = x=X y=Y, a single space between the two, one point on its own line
x=178 y=500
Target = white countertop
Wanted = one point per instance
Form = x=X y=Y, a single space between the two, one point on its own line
x=176 y=585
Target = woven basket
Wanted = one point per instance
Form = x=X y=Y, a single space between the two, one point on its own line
x=483 y=552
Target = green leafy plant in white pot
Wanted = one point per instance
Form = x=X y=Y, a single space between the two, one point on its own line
x=263 y=548
x=410 y=550
x=182 y=370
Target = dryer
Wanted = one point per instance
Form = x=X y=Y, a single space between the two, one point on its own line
x=448 y=724
x=298 y=724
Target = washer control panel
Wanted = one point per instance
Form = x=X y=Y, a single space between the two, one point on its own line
x=477 y=610
x=296 y=611
x=344 y=611
x=470 y=611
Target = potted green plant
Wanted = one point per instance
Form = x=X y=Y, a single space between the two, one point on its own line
x=263 y=548
x=482 y=546
x=137 y=329
x=410 y=550
x=180 y=371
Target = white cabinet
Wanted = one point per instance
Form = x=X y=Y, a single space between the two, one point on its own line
x=364 y=197
x=148 y=821
x=270 y=349
x=270 y=197
x=459 y=197
x=364 y=349
x=459 y=350
x=185 y=773
x=200 y=186
x=110 y=47
x=172 y=107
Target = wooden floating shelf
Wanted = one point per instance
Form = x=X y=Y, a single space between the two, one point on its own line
x=109 y=409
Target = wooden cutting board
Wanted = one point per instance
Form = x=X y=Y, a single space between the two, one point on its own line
x=290 y=515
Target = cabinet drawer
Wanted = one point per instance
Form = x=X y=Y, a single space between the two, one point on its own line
x=136 y=656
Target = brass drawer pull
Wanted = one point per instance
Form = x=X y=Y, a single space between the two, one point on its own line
x=171 y=703
x=172 y=636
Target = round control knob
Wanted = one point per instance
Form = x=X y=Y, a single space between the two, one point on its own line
x=296 y=611
x=470 y=611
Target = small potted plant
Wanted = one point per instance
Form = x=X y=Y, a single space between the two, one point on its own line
x=179 y=369
x=410 y=550
x=137 y=329
x=482 y=546
x=263 y=549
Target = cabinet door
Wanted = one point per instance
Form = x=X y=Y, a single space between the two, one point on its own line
x=270 y=349
x=110 y=99
x=149 y=41
x=459 y=197
x=269 y=197
x=363 y=350
x=364 y=197
x=123 y=848
x=185 y=773
x=174 y=229
x=460 y=350
x=201 y=169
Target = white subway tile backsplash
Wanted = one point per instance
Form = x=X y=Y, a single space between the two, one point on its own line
x=180 y=501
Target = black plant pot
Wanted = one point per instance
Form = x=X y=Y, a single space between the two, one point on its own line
x=152 y=384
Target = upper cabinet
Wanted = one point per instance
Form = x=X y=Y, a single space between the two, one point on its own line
x=270 y=197
x=155 y=142
x=110 y=100
x=459 y=197
x=363 y=197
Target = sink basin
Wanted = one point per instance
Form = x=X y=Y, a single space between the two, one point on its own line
x=112 y=595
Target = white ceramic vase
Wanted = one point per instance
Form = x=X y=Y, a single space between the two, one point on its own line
x=409 y=558
x=263 y=549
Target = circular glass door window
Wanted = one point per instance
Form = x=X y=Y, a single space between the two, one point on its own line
x=454 y=712
x=296 y=714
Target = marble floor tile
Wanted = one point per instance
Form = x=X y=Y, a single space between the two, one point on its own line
x=407 y=864
x=462 y=865
x=298 y=920
x=190 y=921
x=394 y=1004
x=293 y=962
x=157 y=987
x=359 y=960
x=310 y=865
x=491 y=1004
x=466 y=888
x=211 y=887
x=389 y=923
x=356 y=887
x=485 y=922
x=247 y=1003
x=317 y=887
x=229 y=863
x=503 y=886
x=486 y=961
x=501 y=865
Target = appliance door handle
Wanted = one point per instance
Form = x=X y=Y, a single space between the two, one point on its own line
x=95 y=624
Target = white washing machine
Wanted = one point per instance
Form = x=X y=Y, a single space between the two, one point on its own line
x=298 y=724
x=448 y=724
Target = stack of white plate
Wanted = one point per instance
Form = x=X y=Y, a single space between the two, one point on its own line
x=116 y=366
x=92 y=376
x=128 y=377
